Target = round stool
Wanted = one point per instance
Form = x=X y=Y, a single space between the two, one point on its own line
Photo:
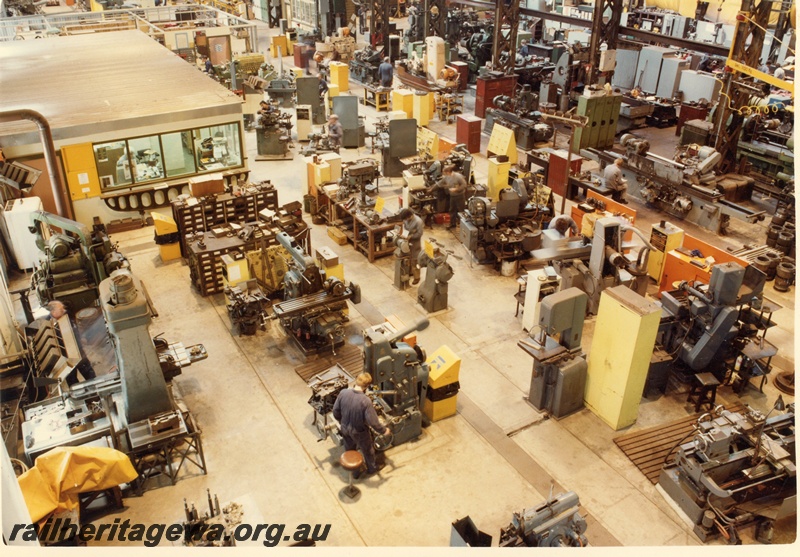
x=352 y=461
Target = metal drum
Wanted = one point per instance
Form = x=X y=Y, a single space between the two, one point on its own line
x=784 y=277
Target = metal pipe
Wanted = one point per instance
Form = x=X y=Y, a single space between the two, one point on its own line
x=48 y=147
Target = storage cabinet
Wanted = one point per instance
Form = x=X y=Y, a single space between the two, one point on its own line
x=468 y=132
x=488 y=88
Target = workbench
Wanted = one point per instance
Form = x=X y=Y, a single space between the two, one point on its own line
x=370 y=239
x=377 y=97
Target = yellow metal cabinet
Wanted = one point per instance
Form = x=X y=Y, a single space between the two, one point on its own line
x=340 y=75
x=403 y=99
x=335 y=162
x=81 y=170
x=276 y=42
x=442 y=384
x=619 y=358
x=423 y=108
x=498 y=177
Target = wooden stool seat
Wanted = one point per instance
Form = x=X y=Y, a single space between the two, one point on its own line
x=352 y=461
x=703 y=391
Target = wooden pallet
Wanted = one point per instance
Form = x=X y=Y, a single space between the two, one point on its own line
x=348 y=356
x=648 y=448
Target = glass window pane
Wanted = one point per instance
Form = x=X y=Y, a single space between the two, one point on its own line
x=218 y=147
x=113 y=166
x=178 y=153
x=147 y=159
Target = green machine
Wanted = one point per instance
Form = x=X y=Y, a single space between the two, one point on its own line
x=603 y=113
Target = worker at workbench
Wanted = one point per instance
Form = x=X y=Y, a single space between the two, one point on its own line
x=615 y=181
x=386 y=72
x=335 y=131
x=562 y=224
x=412 y=230
x=456 y=186
x=354 y=411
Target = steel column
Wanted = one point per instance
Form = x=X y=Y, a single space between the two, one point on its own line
x=435 y=18
x=506 y=14
x=379 y=25
x=604 y=30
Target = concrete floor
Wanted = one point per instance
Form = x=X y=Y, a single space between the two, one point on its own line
x=498 y=455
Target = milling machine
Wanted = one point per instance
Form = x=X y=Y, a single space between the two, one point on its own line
x=133 y=407
x=738 y=468
x=400 y=377
x=558 y=380
x=75 y=261
x=719 y=327
x=314 y=309
x=364 y=65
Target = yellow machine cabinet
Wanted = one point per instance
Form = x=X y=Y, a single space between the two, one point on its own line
x=328 y=261
x=278 y=42
x=340 y=76
x=498 y=177
x=665 y=237
x=334 y=160
x=167 y=236
x=442 y=384
x=423 y=109
x=403 y=99
x=619 y=358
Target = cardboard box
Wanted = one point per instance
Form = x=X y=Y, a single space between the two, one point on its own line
x=206 y=185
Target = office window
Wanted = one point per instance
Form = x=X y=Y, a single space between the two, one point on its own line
x=178 y=153
x=147 y=158
x=113 y=164
x=218 y=147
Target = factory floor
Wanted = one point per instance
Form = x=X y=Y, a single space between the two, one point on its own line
x=497 y=456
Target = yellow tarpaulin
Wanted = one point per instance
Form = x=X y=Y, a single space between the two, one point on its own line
x=54 y=483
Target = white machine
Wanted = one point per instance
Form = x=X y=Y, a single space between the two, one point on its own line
x=16 y=220
x=541 y=283
x=434 y=48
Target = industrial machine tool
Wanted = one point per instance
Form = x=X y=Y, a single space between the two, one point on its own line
x=559 y=366
x=720 y=327
x=274 y=131
x=602 y=264
x=687 y=187
x=432 y=293
x=738 y=468
x=134 y=406
x=364 y=65
x=314 y=309
x=402 y=262
x=247 y=306
x=555 y=522
x=75 y=260
x=507 y=229
x=400 y=377
x=521 y=114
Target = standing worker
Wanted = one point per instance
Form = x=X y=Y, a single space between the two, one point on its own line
x=335 y=131
x=456 y=186
x=354 y=411
x=386 y=72
x=413 y=226
x=615 y=181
